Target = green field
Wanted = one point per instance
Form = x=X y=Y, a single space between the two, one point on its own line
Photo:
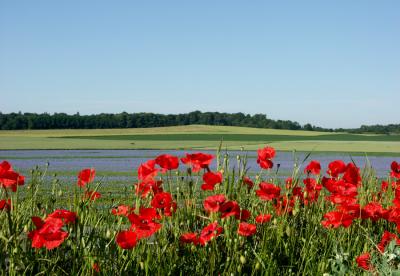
x=198 y=137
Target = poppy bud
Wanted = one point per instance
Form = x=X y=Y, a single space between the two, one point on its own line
x=257 y=266
x=243 y=259
x=239 y=269
x=141 y=265
x=288 y=231
x=108 y=234
x=60 y=193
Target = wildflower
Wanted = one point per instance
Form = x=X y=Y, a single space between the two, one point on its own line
x=122 y=210
x=126 y=239
x=92 y=195
x=86 y=176
x=246 y=229
x=243 y=215
x=9 y=178
x=5 y=204
x=149 y=185
x=209 y=232
x=336 y=167
x=167 y=162
x=373 y=211
x=147 y=171
x=65 y=215
x=395 y=167
x=210 y=180
x=48 y=233
x=314 y=167
x=265 y=157
x=268 y=191
x=248 y=182
x=144 y=224
x=229 y=208
x=364 y=261
x=96 y=267
x=263 y=218
x=189 y=238
x=337 y=218
x=213 y=203
x=162 y=200
x=387 y=237
x=198 y=160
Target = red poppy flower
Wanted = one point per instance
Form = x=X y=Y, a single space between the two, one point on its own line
x=246 y=229
x=9 y=178
x=147 y=171
x=387 y=237
x=372 y=211
x=336 y=167
x=126 y=239
x=144 y=224
x=65 y=215
x=265 y=157
x=96 y=267
x=314 y=167
x=352 y=209
x=263 y=218
x=47 y=233
x=149 y=185
x=170 y=209
x=92 y=195
x=336 y=218
x=352 y=174
x=5 y=204
x=167 y=162
x=268 y=191
x=311 y=184
x=122 y=210
x=189 y=238
x=198 y=160
x=248 y=182
x=213 y=203
x=5 y=166
x=229 y=208
x=395 y=169
x=86 y=176
x=364 y=261
x=210 y=180
x=209 y=232
x=243 y=215
x=161 y=200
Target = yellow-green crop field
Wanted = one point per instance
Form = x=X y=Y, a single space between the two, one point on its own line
x=198 y=137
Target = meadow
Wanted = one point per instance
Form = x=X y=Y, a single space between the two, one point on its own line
x=203 y=214
x=199 y=137
x=323 y=204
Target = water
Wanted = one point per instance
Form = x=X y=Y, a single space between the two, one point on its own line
x=129 y=160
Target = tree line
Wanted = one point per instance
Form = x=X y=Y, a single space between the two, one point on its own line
x=17 y=121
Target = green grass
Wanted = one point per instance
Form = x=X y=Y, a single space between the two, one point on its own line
x=199 y=137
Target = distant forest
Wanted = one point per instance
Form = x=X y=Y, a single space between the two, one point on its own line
x=15 y=121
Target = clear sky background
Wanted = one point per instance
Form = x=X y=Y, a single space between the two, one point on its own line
x=329 y=63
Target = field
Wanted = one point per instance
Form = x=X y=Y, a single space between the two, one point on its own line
x=199 y=137
x=200 y=216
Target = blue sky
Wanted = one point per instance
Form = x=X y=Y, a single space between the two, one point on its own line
x=330 y=63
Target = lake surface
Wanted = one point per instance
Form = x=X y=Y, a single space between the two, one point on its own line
x=129 y=160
